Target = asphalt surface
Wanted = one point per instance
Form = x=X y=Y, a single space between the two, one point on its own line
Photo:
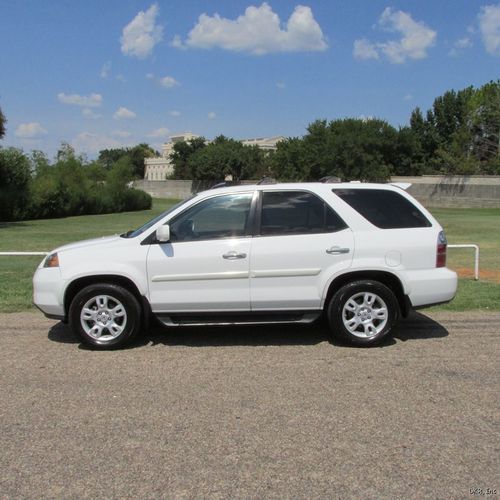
x=251 y=412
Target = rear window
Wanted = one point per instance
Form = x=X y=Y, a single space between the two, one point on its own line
x=384 y=209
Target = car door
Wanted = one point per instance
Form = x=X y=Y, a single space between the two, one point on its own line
x=205 y=265
x=300 y=243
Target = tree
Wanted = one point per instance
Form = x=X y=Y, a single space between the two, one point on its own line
x=349 y=148
x=107 y=157
x=15 y=180
x=409 y=153
x=182 y=151
x=224 y=157
x=3 y=121
x=461 y=132
x=137 y=154
x=485 y=121
x=287 y=163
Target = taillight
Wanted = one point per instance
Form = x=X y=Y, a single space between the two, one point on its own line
x=441 y=250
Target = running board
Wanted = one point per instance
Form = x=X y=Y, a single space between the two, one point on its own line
x=245 y=318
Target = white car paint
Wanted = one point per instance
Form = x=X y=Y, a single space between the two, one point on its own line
x=288 y=272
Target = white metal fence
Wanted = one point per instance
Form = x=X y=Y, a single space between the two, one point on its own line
x=476 y=257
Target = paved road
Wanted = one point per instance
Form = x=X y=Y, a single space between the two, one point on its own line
x=251 y=412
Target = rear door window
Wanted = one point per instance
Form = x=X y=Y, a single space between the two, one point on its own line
x=297 y=212
x=383 y=208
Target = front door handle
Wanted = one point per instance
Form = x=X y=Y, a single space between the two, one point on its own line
x=337 y=250
x=234 y=255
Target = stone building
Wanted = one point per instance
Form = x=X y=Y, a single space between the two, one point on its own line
x=157 y=169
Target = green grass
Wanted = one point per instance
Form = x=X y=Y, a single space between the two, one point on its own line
x=482 y=227
x=479 y=226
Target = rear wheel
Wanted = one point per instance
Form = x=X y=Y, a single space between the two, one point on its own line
x=363 y=312
x=105 y=316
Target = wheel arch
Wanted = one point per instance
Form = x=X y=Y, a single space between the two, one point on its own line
x=113 y=279
x=386 y=278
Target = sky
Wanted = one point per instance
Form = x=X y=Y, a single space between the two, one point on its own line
x=101 y=74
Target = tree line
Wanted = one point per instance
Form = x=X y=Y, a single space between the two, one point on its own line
x=459 y=134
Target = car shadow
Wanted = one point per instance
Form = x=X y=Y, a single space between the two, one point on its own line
x=416 y=326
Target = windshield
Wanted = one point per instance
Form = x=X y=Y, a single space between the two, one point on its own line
x=136 y=232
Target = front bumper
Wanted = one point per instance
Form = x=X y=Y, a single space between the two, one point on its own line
x=48 y=292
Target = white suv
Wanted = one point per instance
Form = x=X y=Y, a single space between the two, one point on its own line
x=362 y=254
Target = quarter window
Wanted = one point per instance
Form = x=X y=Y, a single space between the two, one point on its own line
x=383 y=208
x=297 y=212
x=219 y=217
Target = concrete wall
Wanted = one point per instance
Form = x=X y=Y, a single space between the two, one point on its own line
x=455 y=191
x=172 y=189
x=430 y=190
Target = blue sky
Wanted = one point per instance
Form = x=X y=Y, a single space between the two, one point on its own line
x=108 y=73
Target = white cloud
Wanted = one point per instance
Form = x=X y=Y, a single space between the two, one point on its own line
x=489 y=25
x=142 y=33
x=88 y=101
x=92 y=143
x=177 y=42
x=463 y=43
x=212 y=115
x=159 y=132
x=168 y=82
x=121 y=78
x=408 y=97
x=121 y=133
x=30 y=130
x=258 y=31
x=88 y=113
x=174 y=112
x=150 y=76
x=124 y=113
x=363 y=49
x=106 y=68
x=460 y=45
x=416 y=39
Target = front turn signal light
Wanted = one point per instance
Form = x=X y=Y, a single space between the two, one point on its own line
x=52 y=260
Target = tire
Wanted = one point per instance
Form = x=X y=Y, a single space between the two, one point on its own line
x=105 y=316
x=362 y=312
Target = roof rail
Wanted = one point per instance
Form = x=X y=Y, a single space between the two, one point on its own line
x=219 y=185
x=267 y=180
x=330 y=179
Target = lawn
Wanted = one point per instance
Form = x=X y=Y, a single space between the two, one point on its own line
x=479 y=226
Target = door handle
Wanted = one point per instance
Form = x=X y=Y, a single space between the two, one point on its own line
x=337 y=250
x=234 y=255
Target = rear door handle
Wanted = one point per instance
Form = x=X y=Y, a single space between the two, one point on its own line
x=337 y=250
x=234 y=255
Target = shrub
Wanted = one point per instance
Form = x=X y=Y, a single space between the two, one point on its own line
x=68 y=187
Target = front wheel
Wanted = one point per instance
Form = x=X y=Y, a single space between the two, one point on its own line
x=104 y=315
x=363 y=312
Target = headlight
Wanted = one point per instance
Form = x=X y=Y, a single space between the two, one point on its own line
x=51 y=260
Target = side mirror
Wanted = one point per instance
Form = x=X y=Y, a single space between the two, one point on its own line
x=163 y=234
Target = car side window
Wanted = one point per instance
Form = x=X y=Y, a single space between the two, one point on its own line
x=297 y=212
x=225 y=216
x=383 y=208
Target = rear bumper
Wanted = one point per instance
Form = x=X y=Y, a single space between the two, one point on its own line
x=432 y=286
